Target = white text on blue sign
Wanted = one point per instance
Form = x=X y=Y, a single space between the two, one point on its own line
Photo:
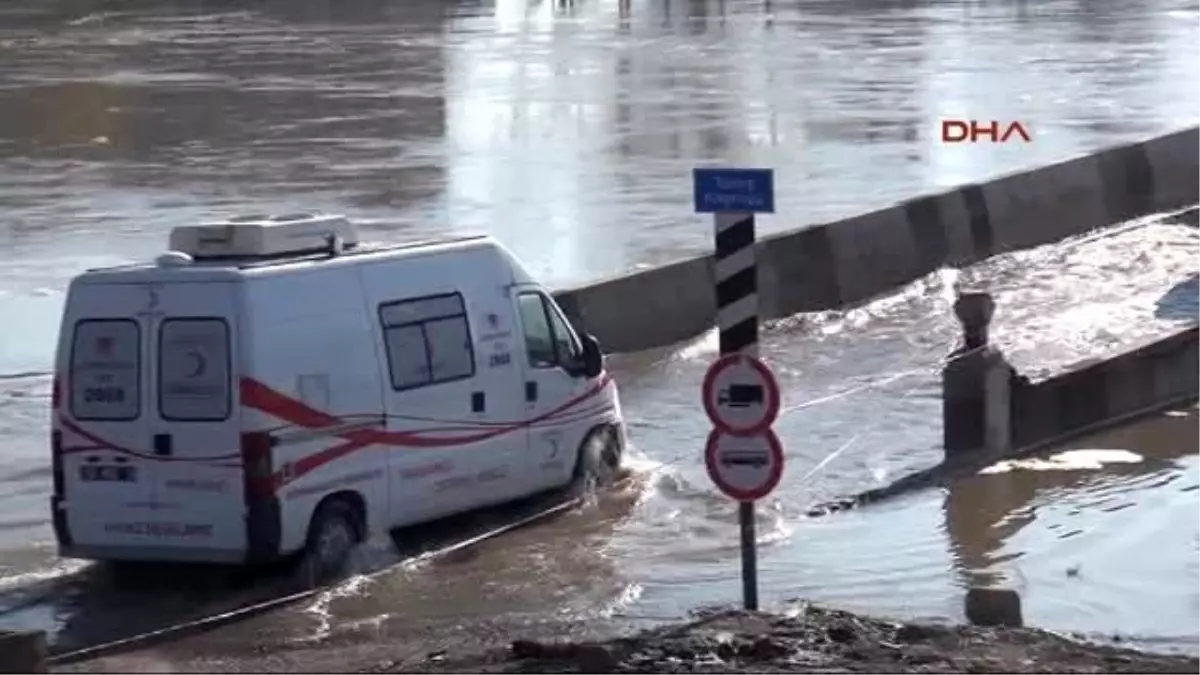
x=733 y=190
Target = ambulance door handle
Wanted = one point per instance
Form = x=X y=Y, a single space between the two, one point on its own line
x=162 y=444
x=531 y=392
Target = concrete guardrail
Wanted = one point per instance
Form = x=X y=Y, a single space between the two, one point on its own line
x=844 y=263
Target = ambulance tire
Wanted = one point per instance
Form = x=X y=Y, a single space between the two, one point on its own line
x=598 y=462
x=130 y=574
x=333 y=534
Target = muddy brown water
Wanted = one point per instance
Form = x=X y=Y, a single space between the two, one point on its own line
x=569 y=132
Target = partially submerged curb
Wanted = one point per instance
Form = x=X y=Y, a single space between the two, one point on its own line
x=815 y=640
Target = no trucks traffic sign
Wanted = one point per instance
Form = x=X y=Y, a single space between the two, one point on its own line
x=741 y=396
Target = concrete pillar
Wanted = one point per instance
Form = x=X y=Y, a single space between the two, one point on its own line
x=993 y=607
x=976 y=385
x=23 y=652
x=997 y=429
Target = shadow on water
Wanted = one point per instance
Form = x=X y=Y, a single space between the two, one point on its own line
x=1101 y=475
x=1181 y=302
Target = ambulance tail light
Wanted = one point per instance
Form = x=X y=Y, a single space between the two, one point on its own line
x=56 y=462
x=256 y=463
x=58 y=514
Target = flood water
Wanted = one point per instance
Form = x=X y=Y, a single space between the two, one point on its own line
x=569 y=132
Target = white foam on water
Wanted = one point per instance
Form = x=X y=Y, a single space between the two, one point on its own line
x=375 y=622
x=625 y=599
x=61 y=568
x=321 y=611
x=638 y=462
x=777 y=532
x=941 y=284
x=1070 y=460
x=704 y=345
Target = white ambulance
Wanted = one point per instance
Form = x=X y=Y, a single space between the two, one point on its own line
x=271 y=386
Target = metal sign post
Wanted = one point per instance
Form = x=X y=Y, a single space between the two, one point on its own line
x=741 y=397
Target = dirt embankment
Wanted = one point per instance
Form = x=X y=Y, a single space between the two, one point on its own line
x=817 y=640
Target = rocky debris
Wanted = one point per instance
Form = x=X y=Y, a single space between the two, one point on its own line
x=590 y=657
x=993 y=607
x=918 y=480
x=832 y=506
x=815 y=640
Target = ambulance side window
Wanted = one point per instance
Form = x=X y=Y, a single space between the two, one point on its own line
x=106 y=373
x=428 y=340
x=548 y=338
x=566 y=344
x=193 y=370
x=539 y=337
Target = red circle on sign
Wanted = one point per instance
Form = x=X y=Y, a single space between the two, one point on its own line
x=769 y=383
x=745 y=495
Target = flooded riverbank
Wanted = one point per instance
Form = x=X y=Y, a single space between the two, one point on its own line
x=570 y=134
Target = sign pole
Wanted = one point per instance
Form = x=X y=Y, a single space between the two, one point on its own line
x=737 y=325
x=741 y=396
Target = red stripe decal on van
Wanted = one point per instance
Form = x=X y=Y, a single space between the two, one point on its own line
x=566 y=417
x=101 y=444
x=260 y=397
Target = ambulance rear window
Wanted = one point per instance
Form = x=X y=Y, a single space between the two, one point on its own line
x=106 y=370
x=193 y=370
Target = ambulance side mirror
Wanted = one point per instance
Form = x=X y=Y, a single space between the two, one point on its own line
x=593 y=358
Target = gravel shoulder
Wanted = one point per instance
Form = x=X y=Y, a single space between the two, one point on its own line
x=816 y=640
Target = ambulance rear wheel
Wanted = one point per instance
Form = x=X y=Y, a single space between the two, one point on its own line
x=130 y=574
x=333 y=535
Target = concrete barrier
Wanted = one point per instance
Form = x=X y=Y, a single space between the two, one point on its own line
x=647 y=309
x=23 y=652
x=840 y=264
x=1158 y=375
x=991 y=412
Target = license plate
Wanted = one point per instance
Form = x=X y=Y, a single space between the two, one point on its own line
x=108 y=473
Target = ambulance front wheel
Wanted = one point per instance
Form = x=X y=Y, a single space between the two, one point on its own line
x=599 y=459
x=333 y=534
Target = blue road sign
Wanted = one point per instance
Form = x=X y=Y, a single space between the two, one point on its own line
x=734 y=190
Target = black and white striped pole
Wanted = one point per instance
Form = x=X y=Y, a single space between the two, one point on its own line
x=743 y=456
x=736 y=272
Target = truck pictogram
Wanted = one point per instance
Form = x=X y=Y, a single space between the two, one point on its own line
x=741 y=395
